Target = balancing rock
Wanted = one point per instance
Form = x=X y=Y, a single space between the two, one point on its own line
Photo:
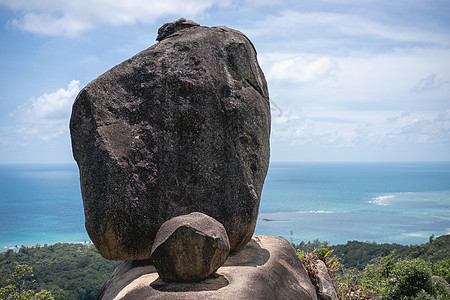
x=182 y=126
x=266 y=268
x=190 y=247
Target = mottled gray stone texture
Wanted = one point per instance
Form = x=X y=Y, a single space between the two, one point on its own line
x=182 y=126
x=267 y=268
x=190 y=247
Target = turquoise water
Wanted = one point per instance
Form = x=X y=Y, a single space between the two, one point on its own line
x=40 y=204
x=383 y=202
x=337 y=202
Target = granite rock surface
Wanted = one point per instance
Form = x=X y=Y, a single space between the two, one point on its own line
x=326 y=289
x=182 y=126
x=266 y=268
x=190 y=248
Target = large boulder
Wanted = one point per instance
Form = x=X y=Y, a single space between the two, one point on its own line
x=180 y=127
x=190 y=247
x=266 y=268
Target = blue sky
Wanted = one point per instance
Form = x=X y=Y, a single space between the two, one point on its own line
x=348 y=80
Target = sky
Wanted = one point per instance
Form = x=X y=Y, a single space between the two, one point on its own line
x=349 y=80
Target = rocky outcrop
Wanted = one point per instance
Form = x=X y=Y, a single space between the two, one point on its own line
x=266 y=268
x=190 y=248
x=173 y=149
x=170 y=28
x=325 y=286
x=181 y=127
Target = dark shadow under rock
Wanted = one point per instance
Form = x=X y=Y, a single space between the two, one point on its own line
x=212 y=283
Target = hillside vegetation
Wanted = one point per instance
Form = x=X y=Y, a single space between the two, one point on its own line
x=77 y=271
x=358 y=254
x=68 y=271
x=391 y=271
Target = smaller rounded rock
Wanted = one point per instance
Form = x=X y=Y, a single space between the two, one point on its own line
x=190 y=248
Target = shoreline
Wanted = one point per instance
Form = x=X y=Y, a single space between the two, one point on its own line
x=16 y=248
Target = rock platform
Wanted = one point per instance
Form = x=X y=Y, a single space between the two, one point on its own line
x=266 y=268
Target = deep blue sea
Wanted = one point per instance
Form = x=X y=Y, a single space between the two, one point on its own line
x=335 y=202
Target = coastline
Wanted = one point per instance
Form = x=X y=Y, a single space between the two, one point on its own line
x=401 y=203
x=16 y=248
x=60 y=239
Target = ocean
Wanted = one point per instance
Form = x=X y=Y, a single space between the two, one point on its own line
x=336 y=202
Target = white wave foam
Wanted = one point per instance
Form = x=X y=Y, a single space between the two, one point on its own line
x=314 y=212
x=382 y=200
x=418 y=234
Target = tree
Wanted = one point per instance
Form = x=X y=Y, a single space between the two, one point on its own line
x=408 y=278
x=21 y=276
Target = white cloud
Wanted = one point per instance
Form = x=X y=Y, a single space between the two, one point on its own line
x=53 y=106
x=46 y=117
x=372 y=82
x=297 y=67
x=429 y=83
x=47 y=24
x=418 y=128
x=364 y=130
x=340 y=75
x=377 y=102
x=54 y=17
x=345 y=29
x=296 y=129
